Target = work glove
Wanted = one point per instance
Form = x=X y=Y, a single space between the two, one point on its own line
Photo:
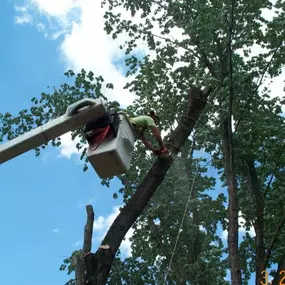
x=164 y=150
x=160 y=151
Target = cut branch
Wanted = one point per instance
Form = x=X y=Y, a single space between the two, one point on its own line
x=87 y=244
x=99 y=264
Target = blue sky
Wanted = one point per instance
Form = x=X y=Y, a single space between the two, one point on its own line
x=42 y=199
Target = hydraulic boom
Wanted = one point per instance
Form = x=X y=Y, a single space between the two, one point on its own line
x=76 y=115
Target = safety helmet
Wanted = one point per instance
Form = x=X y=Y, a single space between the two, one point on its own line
x=153 y=113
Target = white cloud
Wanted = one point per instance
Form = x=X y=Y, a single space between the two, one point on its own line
x=20 y=8
x=40 y=27
x=102 y=225
x=68 y=146
x=55 y=8
x=23 y=16
x=78 y=243
x=84 y=45
x=202 y=228
x=242 y=229
x=25 y=19
x=224 y=235
x=99 y=223
x=87 y=46
x=55 y=230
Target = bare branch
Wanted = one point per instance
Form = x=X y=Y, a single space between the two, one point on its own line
x=88 y=230
x=176 y=43
x=87 y=244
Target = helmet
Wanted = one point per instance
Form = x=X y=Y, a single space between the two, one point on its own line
x=154 y=115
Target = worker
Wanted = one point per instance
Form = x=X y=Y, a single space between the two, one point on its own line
x=142 y=123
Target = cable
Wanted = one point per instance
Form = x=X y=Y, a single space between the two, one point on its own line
x=186 y=207
x=183 y=217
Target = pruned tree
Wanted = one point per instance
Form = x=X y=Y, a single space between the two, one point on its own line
x=199 y=43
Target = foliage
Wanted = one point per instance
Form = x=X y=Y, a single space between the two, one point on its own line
x=191 y=49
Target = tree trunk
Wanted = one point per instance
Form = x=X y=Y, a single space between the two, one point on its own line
x=259 y=220
x=233 y=203
x=228 y=153
x=87 y=244
x=99 y=264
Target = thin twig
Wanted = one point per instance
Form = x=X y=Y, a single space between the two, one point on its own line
x=175 y=42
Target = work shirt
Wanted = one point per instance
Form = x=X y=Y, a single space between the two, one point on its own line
x=141 y=123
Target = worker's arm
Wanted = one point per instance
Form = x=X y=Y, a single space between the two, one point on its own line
x=158 y=137
x=146 y=142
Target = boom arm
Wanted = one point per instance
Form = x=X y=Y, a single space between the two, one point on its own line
x=76 y=115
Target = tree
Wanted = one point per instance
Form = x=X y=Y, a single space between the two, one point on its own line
x=240 y=127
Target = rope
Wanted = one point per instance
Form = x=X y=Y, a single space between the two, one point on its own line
x=186 y=207
x=183 y=217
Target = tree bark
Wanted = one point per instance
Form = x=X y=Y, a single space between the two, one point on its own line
x=228 y=153
x=233 y=203
x=99 y=263
x=87 y=244
x=259 y=220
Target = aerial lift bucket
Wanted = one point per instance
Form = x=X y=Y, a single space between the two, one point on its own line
x=109 y=134
x=111 y=143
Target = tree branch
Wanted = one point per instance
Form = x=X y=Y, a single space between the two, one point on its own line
x=278 y=276
x=258 y=85
x=100 y=262
x=87 y=244
x=273 y=241
x=254 y=185
x=88 y=230
x=176 y=43
x=165 y=250
x=274 y=172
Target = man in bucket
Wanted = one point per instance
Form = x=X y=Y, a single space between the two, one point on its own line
x=142 y=123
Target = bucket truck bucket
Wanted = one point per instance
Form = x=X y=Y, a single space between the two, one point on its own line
x=111 y=144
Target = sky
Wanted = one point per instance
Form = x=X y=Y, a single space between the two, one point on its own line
x=43 y=199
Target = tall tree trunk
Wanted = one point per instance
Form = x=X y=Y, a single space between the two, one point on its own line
x=228 y=153
x=233 y=204
x=99 y=264
x=259 y=220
